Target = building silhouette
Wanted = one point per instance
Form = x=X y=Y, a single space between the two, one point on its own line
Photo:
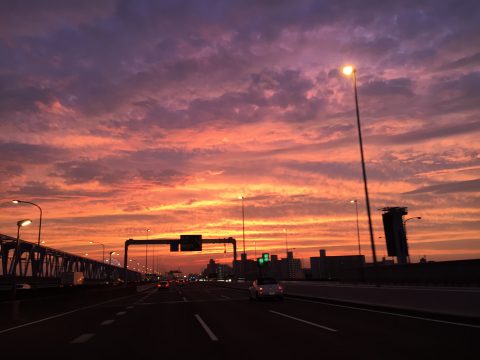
x=287 y=268
x=333 y=267
x=217 y=271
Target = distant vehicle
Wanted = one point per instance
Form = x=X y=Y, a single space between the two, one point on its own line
x=181 y=282
x=72 y=278
x=163 y=285
x=266 y=288
x=23 y=286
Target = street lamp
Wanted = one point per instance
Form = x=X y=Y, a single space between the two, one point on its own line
x=103 y=249
x=348 y=71
x=39 y=208
x=405 y=230
x=20 y=223
x=112 y=253
x=146 y=250
x=244 y=258
x=243 y=220
x=358 y=227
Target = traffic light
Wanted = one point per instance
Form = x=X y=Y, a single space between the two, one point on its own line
x=263 y=261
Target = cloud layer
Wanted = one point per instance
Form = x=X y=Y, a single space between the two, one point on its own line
x=127 y=115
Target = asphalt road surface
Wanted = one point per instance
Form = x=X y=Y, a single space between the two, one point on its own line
x=202 y=321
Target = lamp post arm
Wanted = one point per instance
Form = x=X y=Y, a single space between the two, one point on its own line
x=40 y=221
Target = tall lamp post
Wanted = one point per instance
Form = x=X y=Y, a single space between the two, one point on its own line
x=405 y=229
x=244 y=257
x=358 y=227
x=243 y=220
x=40 y=222
x=103 y=249
x=350 y=70
x=20 y=224
x=146 y=253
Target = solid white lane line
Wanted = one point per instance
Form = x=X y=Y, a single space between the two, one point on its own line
x=304 y=321
x=82 y=338
x=392 y=314
x=206 y=328
x=185 y=299
x=62 y=314
x=120 y=313
x=107 y=322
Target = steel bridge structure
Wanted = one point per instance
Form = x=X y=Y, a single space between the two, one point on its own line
x=30 y=260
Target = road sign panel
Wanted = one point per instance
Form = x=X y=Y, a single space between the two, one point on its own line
x=190 y=242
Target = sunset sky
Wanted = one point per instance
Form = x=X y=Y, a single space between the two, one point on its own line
x=118 y=116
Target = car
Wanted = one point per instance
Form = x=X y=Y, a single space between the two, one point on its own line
x=163 y=285
x=263 y=288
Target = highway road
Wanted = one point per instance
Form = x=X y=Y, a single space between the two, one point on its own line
x=211 y=322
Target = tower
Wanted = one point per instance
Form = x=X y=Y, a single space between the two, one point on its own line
x=395 y=235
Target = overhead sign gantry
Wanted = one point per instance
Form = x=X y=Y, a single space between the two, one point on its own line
x=185 y=243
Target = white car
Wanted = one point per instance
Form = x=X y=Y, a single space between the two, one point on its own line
x=266 y=288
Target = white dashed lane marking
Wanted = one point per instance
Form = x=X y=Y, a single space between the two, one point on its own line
x=303 y=321
x=107 y=322
x=82 y=338
x=206 y=328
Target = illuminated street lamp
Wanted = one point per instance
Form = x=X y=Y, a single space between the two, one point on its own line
x=112 y=253
x=348 y=71
x=103 y=249
x=39 y=208
x=358 y=227
x=405 y=230
x=20 y=223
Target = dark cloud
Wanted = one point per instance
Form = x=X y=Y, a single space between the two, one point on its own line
x=23 y=99
x=463 y=62
x=392 y=87
x=458 y=94
x=44 y=191
x=427 y=132
x=450 y=187
x=78 y=172
x=30 y=17
x=168 y=177
x=117 y=171
x=110 y=219
x=20 y=153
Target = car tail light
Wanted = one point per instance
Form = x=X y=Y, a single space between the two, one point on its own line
x=260 y=289
x=280 y=288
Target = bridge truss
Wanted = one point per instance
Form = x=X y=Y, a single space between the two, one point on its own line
x=29 y=260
